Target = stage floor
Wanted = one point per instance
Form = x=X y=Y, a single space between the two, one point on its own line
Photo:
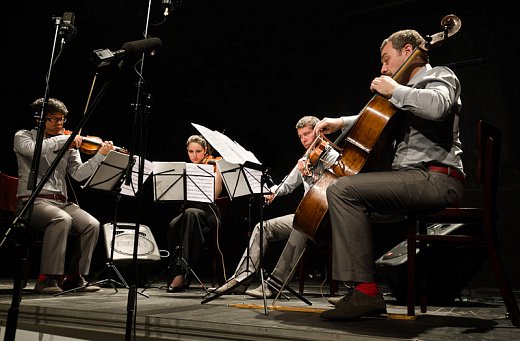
x=104 y=315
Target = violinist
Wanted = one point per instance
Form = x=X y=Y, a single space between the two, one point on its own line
x=426 y=171
x=52 y=213
x=196 y=223
x=280 y=228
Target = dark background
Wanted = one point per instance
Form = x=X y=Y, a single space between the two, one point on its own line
x=251 y=69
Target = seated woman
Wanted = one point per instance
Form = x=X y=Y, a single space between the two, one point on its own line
x=194 y=227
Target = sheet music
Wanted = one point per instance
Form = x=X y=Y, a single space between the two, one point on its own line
x=131 y=189
x=169 y=181
x=240 y=180
x=200 y=185
x=230 y=150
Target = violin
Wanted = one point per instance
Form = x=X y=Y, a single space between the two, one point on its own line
x=91 y=144
x=319 y=147
x=211 y=160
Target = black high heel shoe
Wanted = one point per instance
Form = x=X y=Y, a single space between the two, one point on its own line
x=170 y=289
x=177 y=288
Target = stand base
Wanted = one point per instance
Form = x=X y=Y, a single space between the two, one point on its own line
x=112 y=282
x=194 y=274
x=210 y=296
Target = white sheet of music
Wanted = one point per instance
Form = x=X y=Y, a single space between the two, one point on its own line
x=200 y=182
x=169 y=181
x=131 y=189
x=230 y=150
x=240 y=181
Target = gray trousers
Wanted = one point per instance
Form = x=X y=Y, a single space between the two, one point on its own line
x=353 y=199
x=57 y=220
x=279 y=228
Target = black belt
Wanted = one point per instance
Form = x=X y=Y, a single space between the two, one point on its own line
x=57 y=197
x=450 y=171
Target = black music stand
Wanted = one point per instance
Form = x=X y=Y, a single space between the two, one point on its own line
x=243 y=174
x=181 y=181
x=109 y=177
x=240 y=180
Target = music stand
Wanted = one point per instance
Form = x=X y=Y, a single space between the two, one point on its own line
x=109 y=177
x=240 y=180
x=181 y=181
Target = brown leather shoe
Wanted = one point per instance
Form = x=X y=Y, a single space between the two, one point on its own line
x=355 y=305
x=80 y=284
x=47 y=286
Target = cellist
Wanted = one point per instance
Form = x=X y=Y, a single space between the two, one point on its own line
x=427 y=170
x=281 y=227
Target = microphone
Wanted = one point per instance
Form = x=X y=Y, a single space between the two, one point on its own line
x=169 y=6
x=131 y=49
x=67 y=29
x=166 y=4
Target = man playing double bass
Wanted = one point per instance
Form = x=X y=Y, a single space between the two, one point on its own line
x=426 y=170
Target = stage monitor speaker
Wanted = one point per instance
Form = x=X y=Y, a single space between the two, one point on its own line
x=147 y=249
x=449 y=267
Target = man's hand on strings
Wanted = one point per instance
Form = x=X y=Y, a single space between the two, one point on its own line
x=106 y=147
x=328 y=125
x=384 y=85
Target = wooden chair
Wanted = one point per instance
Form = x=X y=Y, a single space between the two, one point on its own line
x=488 y=141
x=8 y=206
x=8 y=201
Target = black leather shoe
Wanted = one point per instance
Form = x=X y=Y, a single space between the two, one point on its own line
x=175 y=289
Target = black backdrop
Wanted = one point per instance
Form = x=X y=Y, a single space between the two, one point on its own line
x=251 y=69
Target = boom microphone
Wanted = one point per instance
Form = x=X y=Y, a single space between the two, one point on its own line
x=67 y=29
x=169 y=6
x=129 y=50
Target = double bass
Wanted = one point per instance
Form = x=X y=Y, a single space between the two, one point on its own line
x=365 y=144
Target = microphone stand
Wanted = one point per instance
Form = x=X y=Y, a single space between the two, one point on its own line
x=141 y=112
x=12 y=317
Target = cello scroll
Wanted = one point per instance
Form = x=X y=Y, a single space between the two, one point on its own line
x=451 y=24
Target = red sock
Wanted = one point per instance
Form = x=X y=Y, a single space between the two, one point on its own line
x=43 y=277
x=368 y=288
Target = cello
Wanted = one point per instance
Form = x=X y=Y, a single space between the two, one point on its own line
x=365 y=143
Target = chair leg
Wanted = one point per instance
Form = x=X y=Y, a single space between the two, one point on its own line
x=503 y=283
x=301 y=272
x=333 y=285
x=410 y=285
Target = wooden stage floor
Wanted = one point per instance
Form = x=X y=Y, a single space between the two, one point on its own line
x=104 y=315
